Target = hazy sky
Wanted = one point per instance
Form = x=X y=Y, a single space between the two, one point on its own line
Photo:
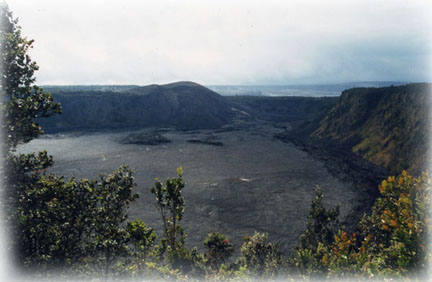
x=227 y=42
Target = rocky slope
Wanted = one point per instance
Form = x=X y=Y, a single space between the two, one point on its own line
x=284 y=109
x=369 y=134
x=183 y=105
x=388 y=126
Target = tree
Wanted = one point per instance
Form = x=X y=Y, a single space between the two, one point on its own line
x=320 y=230
x=21 y=101
x=396 y=233
x=392 y=240
x=321 y=225
x=68 y=223
x=55 y=222
x=171 y=206
x=142 y=238
x=261 y=257
x=219 y=249
x=110 y=239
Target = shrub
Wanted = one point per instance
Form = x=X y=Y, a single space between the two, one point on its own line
x=142 y=239
x=171 y=205
x=219 y=249
x=311 y=253
x=259 y=256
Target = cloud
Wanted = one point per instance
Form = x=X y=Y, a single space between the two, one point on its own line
x=217 y=42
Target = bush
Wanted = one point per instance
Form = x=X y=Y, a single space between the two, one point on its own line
x=392 y=240
x=142 y=239
x=73 y=223
x=395 y=234
x=259 y=256
x=310 y=254
x=171 y=205
x=219 y=250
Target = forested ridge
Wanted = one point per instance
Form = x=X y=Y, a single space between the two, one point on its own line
x=388 y=126
x=69 y=227
x=182 y=105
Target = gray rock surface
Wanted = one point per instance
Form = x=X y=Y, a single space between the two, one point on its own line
x=252 y=183
x=145 y=138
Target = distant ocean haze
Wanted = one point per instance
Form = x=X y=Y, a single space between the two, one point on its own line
x=305 y=90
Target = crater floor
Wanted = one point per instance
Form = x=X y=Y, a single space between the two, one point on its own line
x=253 y=182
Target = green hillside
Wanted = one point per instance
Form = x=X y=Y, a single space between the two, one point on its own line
x=388 y=126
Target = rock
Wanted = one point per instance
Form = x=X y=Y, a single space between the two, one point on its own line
x=145 y=138
x=209 y=140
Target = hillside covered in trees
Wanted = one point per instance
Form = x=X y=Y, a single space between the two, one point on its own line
x=388 y=126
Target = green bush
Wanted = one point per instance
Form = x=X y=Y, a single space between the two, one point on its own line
x=320 y=229
x=171 y=205
x=219 y=249
x=261 y=257
x=391 y=242
x=142 y=238
x=64 y=223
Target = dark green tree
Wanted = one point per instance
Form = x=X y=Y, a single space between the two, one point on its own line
x=219 y=249
x=109 y=236
x=171 y=205
x=55 y=222
x=261 y=257
x=21 y=103
x=319 y=233
x=55 y=219
x=321 y=225
x=21 y=100
x=142 y=238
x=68 y=223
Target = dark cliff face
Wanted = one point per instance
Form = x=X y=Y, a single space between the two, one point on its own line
x=184 y=105
x=388 y=126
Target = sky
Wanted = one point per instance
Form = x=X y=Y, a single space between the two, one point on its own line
x=227 y=42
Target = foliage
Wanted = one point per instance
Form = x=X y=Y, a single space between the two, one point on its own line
x=392 y=240
x=109 y=238
x=399 y=226
x=63 y=223
x=261 y=257
x=82 y=224
x=56 y=223
x=320 y=228
x=21 y=101
x=24 y=169
x=389 y=126
x=321 y=223
x=142 y=237
x=51 y=216
x=171 y=205
x=219 y=249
